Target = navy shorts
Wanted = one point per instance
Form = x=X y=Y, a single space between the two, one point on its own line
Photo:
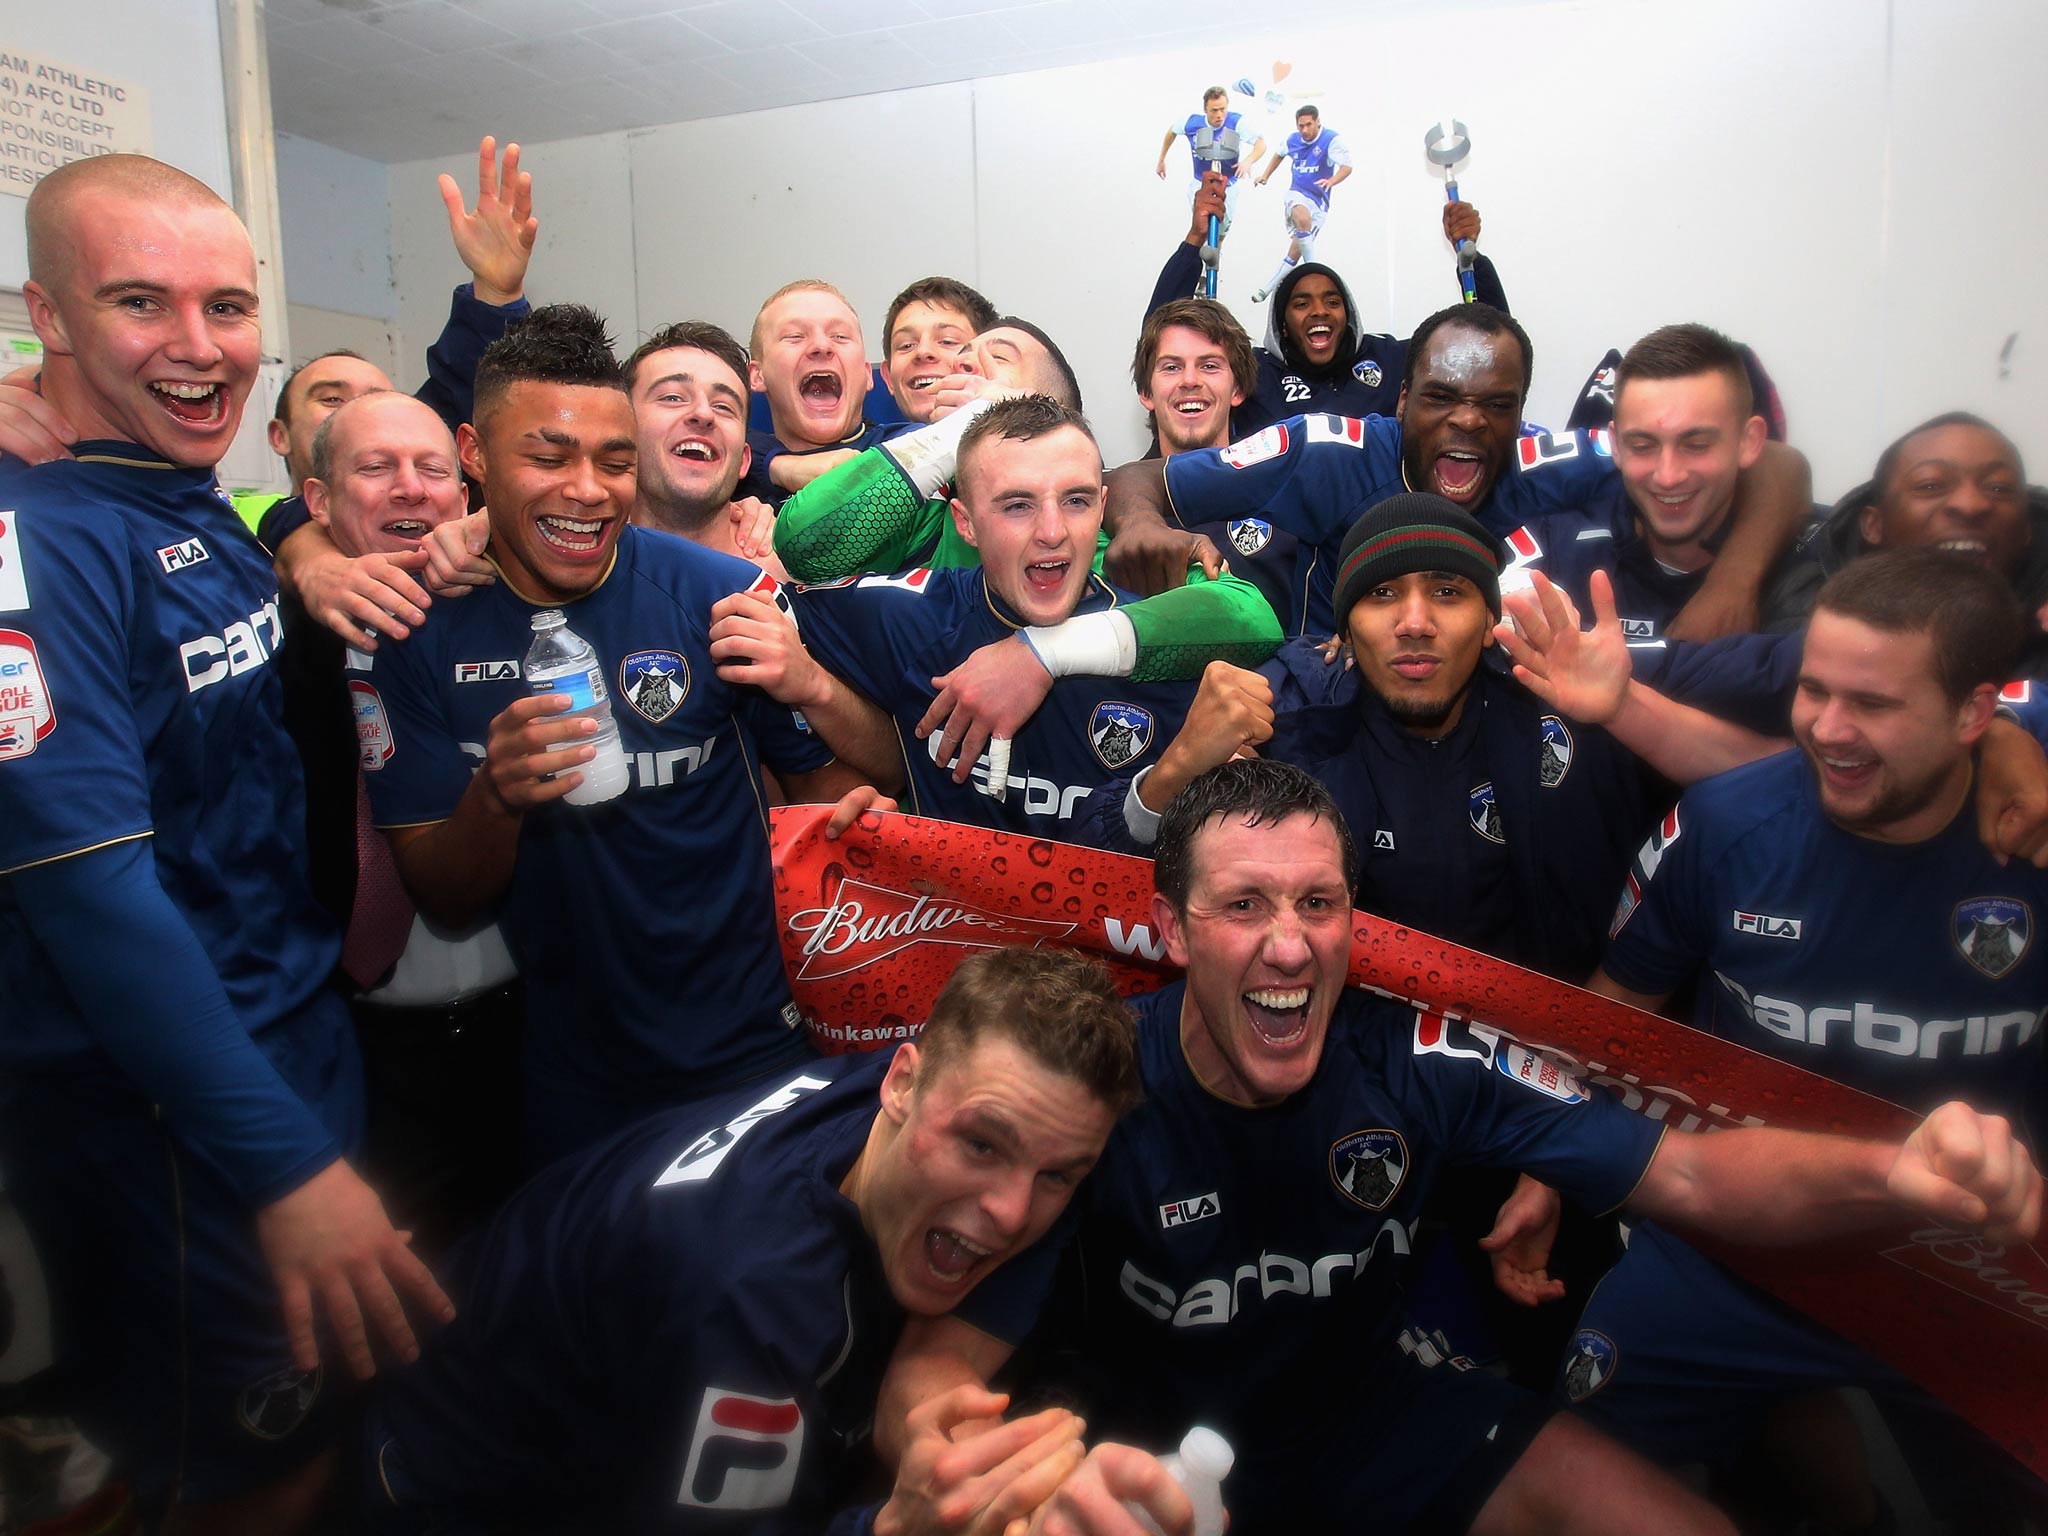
x=1682 y=1361
x=1413 y=1447
x=171 y=1350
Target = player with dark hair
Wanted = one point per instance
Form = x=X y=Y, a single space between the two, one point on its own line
x=930 y=326
x=1684 y=433
x=1456 y=433
x=1080 y=680
x=1243 y=1241
x=685 y=1328
x=1319 y=161
x=1873 y=938
x=1954 y=482
x=588 y=892
x=179 y=1087
x=1317 y=355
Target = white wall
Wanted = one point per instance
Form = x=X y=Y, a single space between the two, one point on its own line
x=1853 y=186
x=335 y=213
x=171 y=48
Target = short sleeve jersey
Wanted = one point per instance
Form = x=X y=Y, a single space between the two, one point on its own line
x=1237 y=1262
x=1315 y=476
x=889 y=636
x=138 y=623
x=1311 y=161
x=687 y=1323
x=1913 y=972
x=644 y=926
x=1226 y=143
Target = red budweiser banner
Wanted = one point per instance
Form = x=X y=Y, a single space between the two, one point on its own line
x=873 y=923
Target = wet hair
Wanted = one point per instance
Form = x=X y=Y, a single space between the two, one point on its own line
x=556 y=344
x=1888 y=461
x=1210 y=319
x=1018 y=419
x=1976 y=623
x=1484 y=319
x=1069 y=392
x=1057 y=1005
x=284 y=395
x=1259 y=790
x=801 y=285
x=944 y=293
x=1684 y=352
x=700 y=334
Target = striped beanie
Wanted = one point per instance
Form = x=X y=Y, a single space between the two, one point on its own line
x=1415 y=532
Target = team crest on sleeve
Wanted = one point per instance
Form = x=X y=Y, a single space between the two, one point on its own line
x=1591 y=1365
x=1249 y=535
x=1119 y=732
x=1555 y=755
x=1368 y=373
x=1993 y=932
x=1256 y=449
x=655 y=683
x=1368 y=1166
x=1485 y=814
x=13 y=575
x=374 y=740
x=26 y=714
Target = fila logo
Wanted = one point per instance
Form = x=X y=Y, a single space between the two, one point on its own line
x=744 y=1452
x=1382 y=837
x=486 y=671
x=1178 y=1213
x=1763 y=925
x=1638 y=629
x=177 y=557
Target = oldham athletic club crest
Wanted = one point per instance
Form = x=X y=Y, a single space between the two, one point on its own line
x=1485 y=814
x=1249 y=535
x=1368 y=373
x=272 y=1408
x=1992 y=932
x=1368 y=1166
x=655 y=683
x=1556 y=759
x=1591 y=1365
x=1119 y=732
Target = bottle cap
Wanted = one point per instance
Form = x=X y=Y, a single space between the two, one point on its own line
x=1206 y=1453
x=548 y=618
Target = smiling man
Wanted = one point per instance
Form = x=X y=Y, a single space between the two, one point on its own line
x=169 y=1007
x=930 y=327
x=810 y=361
x=736 y=1273
x=1837 y=910
x=1244 y=1241
x=1092 y=680
x=1457 y=434
x=1685 y=431
x=585 y=895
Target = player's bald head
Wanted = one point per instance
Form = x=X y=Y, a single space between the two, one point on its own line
x=54 y=207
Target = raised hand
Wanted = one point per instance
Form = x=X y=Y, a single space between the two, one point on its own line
x=495 y=238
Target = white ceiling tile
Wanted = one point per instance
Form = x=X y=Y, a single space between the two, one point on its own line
x=873 y=61
x=347 y=41
x=563 y=59
x=438 y=27
x=536 y=18
x=964 y=43
x=773 y=71
x=744 y=24
x=839 y=17
x=651 y=40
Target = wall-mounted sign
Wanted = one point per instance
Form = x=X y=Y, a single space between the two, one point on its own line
x=52 y=114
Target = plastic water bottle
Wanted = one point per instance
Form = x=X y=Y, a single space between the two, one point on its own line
x=1202 y=1463
x=560 y=661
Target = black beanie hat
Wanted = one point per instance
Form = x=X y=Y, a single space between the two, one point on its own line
x=1415 y=532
